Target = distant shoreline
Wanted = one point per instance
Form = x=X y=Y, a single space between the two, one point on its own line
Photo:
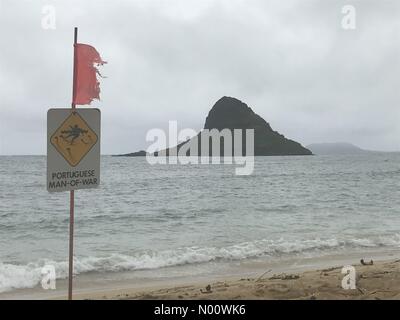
x=127 y=156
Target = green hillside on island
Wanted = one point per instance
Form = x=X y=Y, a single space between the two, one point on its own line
x=231 y=113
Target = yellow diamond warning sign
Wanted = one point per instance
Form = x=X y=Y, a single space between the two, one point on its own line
x=73 y=149
x=74 y=139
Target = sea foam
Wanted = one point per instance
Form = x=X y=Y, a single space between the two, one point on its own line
x=14 y=276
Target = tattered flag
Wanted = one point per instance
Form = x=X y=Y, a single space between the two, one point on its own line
x=87 y=86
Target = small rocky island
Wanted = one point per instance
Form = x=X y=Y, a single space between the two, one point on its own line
x=231 y=113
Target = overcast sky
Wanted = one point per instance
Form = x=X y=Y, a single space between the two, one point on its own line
x=290 y=61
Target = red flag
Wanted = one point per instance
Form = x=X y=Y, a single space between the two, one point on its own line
x=87 y=87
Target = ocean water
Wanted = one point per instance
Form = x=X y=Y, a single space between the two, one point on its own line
x=153 y=218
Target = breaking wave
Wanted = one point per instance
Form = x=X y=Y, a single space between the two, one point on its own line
x=13 y=276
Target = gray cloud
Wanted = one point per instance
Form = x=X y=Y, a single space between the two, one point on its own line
x=171 y=60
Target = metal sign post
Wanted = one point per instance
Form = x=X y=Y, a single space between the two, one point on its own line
x=72 y=192
x=71 y=242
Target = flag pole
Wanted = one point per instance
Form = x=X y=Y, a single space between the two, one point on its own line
x=72 y=193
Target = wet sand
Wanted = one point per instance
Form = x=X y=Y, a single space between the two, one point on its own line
x=306 y=278
x=378 y=281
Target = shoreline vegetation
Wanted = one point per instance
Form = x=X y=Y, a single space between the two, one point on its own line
x=230 y=114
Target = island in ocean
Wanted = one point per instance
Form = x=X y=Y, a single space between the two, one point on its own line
x=336 y=148
x=231 y=113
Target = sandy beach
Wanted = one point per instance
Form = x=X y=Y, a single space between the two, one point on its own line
x=378 y=281
x=312 y=278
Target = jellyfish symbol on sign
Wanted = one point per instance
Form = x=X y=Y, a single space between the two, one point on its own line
x=73 y=133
